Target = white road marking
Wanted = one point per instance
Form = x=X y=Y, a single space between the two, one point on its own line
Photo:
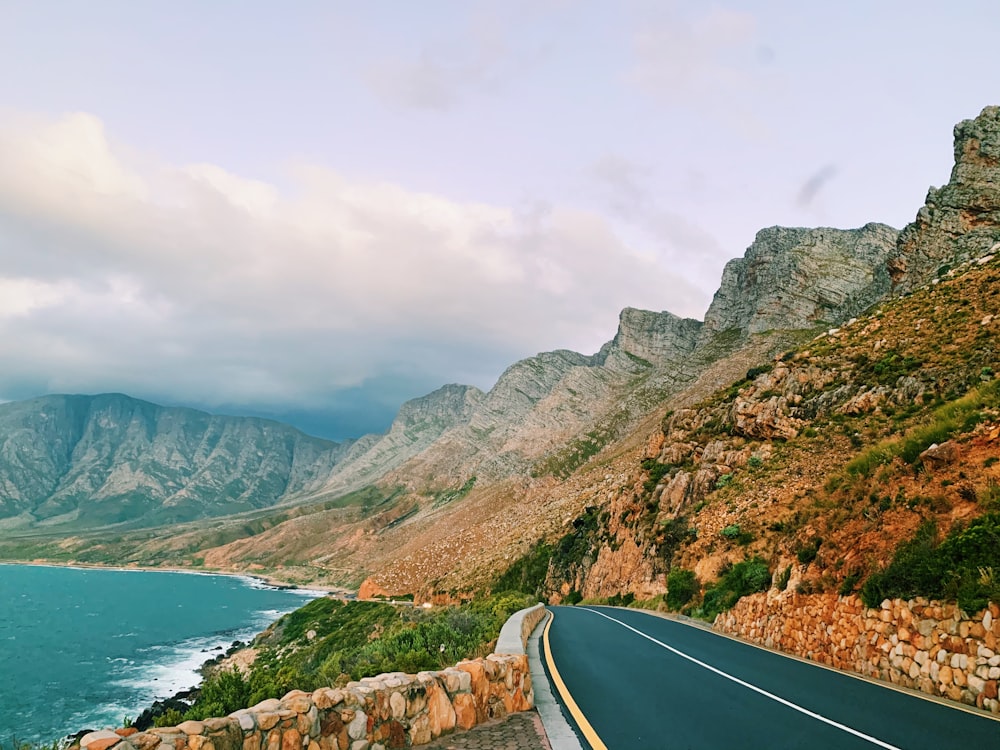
x=749 y=686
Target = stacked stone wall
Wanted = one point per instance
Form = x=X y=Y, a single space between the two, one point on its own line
x=928 y=646
x=389 y=711
x=514 y=634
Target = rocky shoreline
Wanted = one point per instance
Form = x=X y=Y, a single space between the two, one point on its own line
x=183 y=699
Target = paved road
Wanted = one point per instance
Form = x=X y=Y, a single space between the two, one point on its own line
x=640 y=693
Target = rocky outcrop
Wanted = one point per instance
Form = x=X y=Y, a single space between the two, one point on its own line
x=98 y=460
x=389 y=711
x=801 y=278
x=418 y=424
x=961 y=220
x=932 y=647
x=648 y=339
x=543 y=401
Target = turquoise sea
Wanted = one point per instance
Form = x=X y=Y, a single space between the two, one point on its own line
x=84 y=648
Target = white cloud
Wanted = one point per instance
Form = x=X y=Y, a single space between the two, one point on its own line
x=196 y=284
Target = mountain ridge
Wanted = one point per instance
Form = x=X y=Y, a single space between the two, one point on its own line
x=467 y=481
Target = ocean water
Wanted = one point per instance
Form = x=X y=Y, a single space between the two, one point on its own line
x=84 y=648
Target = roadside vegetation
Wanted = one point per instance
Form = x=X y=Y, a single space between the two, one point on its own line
x=964 y=567
x=330 y=642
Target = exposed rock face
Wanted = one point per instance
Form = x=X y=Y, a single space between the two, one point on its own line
x=96 y=460
x=536 y=404
x=798 y=278
x=419 y=423
x=649 y=339
x=523 y=385
x=961 y=220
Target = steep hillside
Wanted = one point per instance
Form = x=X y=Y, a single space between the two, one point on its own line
x=419 y=423
x=816 y=465
x=89 y=461
x=761 y=459
x=823 y=460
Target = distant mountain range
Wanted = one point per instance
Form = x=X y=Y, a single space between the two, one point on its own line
x=90 y=461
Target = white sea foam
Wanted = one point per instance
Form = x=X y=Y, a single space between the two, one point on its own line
x=172 y=668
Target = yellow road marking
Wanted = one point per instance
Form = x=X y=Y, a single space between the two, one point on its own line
x=581 y=721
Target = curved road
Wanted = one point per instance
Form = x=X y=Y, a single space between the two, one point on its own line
x=642 y=681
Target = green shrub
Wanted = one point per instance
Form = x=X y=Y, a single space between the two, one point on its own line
x=673 y=533
x=682 y=586
x=355 y=640
x=807 y=553
x=736 y=582
x=621 y=600
x=753 y=372
x=783 y=578
x=732 y=531
x=960 y=568
x=737 y=534
x=169 y=718
x=527 y=573
x=220 y=695
x=723 y=481
x=656 y=472
x=849 y=584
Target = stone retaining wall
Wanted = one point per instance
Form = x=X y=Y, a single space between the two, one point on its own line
x=935 y=648
x=389 y=711
x=514 y=634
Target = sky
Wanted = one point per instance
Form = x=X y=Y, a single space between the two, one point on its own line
x=313 y=211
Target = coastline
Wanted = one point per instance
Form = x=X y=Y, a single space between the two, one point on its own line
x=268 y=580
x=178 y=670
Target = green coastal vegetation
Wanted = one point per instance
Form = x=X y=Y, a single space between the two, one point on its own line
x=330 y=642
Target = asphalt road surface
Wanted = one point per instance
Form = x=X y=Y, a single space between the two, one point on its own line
x=641 y=681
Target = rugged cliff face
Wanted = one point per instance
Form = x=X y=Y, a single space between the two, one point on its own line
x=962 y=219
x=85 y=461
x=801 y=278
x=649 y=340
x=419 y=423
x=540 y=403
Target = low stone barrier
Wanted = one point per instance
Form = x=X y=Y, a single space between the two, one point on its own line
x=389 y=711
x=514 y=634
x=932 y=647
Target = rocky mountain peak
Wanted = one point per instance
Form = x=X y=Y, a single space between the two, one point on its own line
x=449 y=405
x=647 y=338
x=797 y=278
x=961 y=220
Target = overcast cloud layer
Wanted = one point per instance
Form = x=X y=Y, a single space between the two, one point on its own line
x=315 y=212
x=197 y=284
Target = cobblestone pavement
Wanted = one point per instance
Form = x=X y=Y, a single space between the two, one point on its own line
x=521 y=731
